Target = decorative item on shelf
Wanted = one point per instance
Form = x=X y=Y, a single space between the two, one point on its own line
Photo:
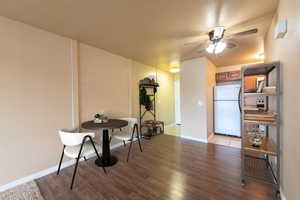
x=100 y=118
x=148 y=81
x=256 y=140
x=152 y=77
x=253 y=90
x=105 y=119
x=255 y=135
x=153 y=127
x=261 y=85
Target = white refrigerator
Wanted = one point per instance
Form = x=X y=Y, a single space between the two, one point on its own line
x=227 y=114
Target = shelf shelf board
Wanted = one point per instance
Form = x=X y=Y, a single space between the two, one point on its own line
x=149 y=85
x=257 y=169
x=260 y=112
x=260 y=94
x=261 y=122
x=258 y=69
x=267 y=146
x=266 y=117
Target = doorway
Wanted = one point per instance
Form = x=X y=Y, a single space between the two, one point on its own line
x=175 y=129
x=177 y=102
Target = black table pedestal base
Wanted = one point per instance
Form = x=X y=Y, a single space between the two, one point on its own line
x=106 y=163
x=106 y=159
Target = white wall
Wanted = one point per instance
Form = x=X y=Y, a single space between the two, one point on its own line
x=195 y=95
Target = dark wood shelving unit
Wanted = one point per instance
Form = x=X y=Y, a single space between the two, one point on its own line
x=152 y=124
x=142 y=111
x=264 y=166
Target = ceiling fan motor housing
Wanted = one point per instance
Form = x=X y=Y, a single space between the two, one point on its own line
x=217 y=34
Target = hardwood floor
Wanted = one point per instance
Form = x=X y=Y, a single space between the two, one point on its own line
x=169 y=168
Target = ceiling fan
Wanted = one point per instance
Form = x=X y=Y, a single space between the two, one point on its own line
x=218 y=40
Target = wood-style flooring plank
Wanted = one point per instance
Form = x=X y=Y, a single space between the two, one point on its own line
x=169 y=168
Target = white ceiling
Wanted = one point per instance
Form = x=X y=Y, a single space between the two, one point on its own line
x=150 y=31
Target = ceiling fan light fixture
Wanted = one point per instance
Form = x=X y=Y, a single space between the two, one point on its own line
x=220 y=47
x=174 y=70
x=216 y=48
x=210 y=48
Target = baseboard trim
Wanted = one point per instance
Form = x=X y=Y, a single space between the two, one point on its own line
x=282 y=195
x=46 y=172
x=194 y=139
x=210 y=136
x=34 y=176
x=170 y=125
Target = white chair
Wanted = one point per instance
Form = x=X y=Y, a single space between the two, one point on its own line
x=127 y=133
x=77 y=145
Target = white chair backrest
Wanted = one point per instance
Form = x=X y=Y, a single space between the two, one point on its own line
x=131 y=122
x=71 y=137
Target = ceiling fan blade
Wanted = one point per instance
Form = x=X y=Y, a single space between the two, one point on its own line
x=191 y=43
x=196 y=40
x=259 y=25
x=193 y=51
x=230 y=45
x=202 y=50
x=243 y=33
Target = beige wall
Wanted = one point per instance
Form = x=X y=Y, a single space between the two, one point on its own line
x=104 y=82
x=287 y=51
x=229 y=68
x=36 y=93
x=196 y=82
x=139 y=71
x=165 y=93
x=50 y=82
x=165 y=97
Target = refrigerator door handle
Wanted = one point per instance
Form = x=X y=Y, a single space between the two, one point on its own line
x=240 y=91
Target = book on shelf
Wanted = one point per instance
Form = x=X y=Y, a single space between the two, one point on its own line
x=265 y=90
x=260 y=115
x=250 y=108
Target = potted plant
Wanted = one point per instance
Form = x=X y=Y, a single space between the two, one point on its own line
x=145 y=99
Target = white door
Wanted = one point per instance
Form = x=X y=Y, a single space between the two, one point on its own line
x=227 y=118
x=177 y=101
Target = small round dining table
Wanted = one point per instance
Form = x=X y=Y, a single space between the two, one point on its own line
x=107 y=159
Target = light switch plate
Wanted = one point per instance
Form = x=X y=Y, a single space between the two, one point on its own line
x=280 y=29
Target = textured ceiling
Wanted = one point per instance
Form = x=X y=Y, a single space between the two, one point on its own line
x=152 y=32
